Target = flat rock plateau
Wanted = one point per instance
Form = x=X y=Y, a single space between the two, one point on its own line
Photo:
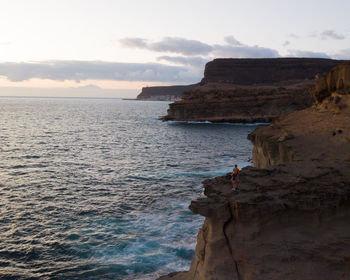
x=250 y=90
x=290 y=218
x=163 y=93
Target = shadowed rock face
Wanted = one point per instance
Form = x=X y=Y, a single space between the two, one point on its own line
x=163 y=92
x=290 y=219
x=250 y=90
x=245 y=104
x=264 y=71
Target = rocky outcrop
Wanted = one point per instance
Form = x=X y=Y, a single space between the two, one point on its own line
x=163 y=92
x=250 y=71
x=250 y=90
x=242 y=104
x=290 y=219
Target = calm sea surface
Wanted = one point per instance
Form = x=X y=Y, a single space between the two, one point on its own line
x=99 y=188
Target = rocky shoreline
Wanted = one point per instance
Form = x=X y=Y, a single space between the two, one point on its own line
x=250 y=90
x=290 y=219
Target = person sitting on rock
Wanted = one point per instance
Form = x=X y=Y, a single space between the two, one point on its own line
x=235 y=177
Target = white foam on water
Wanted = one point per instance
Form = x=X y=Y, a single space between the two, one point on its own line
x=219 y=123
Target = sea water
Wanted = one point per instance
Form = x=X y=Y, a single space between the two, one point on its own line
x=100 y=188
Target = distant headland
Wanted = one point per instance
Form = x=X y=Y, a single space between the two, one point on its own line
x=250 y=90
x=164 y=93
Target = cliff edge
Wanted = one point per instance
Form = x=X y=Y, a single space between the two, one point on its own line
x=164 y=93
x=290 y=219
x=250 y=90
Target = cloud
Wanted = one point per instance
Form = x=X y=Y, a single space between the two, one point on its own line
x=331 y=34
x=232 y=48
x=342 y=54
x=96 y=70
x=195 y=61
x=286 y=43
x=327 y=34
x=169 y=44
x=300 y=53
x=294 y=36
x=134 y=42
x=181 y=45
x=232 y=41
x=244 y=51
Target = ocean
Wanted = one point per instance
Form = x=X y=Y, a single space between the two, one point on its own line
x=100 y=188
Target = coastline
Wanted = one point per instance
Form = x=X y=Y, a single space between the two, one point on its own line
x=290 y=218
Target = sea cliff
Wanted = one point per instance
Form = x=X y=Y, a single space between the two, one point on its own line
x=290 y=219
x=164 y=93
x=250 y=90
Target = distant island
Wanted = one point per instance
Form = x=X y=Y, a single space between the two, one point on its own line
x=164 y=93
x=250 y=90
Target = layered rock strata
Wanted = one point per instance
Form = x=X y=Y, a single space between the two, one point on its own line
x=250 y=90
x=249 y=71
x=290 y=219
x=163 y=93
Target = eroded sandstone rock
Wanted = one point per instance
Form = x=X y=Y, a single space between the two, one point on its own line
x=290 y=219
x=250 y=90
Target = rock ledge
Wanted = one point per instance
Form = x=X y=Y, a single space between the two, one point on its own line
x=290 y=219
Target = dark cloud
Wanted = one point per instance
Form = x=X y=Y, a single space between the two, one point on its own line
x=300 y=53
x=331 y=34
x=196 y=61
x=169 y=44
x=286 y=43
x=97 y=70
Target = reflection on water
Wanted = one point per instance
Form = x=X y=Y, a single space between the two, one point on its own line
x=99 y=189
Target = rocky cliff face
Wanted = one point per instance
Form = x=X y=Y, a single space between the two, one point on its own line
x=264 y=71
x=163 y=92
x=290 y=219
x=231 y=103
x=250 y=90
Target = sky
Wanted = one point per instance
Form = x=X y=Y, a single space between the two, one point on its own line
x=113 y=48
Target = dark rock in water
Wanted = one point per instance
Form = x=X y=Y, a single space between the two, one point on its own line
x=250 y=90
x=163 y=92
x=290 y=219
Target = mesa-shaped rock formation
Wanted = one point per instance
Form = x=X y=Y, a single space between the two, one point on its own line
x=250 y=90
x=249 y=71
x=163 y=93
x=290 y=219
